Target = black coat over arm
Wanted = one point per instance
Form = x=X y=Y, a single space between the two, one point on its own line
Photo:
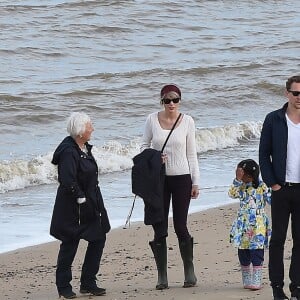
x=148 y=175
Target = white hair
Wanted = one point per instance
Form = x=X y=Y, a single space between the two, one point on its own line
x=76 y=123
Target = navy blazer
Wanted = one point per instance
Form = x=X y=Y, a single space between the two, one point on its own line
x=273 y=147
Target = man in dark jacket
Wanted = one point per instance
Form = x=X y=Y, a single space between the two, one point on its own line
x=279 y=158
x=79 y=211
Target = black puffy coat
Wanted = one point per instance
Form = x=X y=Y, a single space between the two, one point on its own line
x=77 y=177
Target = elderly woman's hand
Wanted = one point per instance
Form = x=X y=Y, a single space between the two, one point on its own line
x=195 y=192
x=81 y=200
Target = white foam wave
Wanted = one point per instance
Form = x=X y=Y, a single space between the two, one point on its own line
x=221 y=137
x=114 y=156
x=19 y=174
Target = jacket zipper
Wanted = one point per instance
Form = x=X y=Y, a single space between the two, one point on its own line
x=79 y=213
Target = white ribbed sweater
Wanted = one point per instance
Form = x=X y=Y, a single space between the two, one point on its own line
x=180 y=149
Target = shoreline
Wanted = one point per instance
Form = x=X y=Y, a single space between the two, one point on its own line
x=128 y=271
x=50 y=239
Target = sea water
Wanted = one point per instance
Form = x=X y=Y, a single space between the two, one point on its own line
x=110 y=59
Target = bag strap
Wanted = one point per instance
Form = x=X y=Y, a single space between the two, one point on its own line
x=173 y=127
x=129 y=215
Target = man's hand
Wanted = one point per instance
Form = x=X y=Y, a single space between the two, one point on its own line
x=276 y=187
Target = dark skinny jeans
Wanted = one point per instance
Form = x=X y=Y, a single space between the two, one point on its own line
x=178 y=188
x=285 y=203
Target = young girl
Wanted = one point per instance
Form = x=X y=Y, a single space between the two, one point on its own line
x=250 y=230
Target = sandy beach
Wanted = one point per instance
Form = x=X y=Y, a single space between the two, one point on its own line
x=128 y=269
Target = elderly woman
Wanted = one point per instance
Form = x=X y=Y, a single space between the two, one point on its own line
x=79 y=211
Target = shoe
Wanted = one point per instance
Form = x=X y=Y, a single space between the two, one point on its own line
x=278 y=293
x=67 y=294
x=96 y=291
x=296 y=293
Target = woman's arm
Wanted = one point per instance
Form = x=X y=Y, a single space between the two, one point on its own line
x=191 y=152
x=148 y=135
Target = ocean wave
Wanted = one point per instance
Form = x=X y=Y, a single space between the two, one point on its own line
x=220 y=137
x=115 y=157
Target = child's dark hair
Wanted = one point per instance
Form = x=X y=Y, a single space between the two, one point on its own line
x=250 y=168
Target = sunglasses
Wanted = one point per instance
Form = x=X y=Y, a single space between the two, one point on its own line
x=168 y=101
x=295 y=93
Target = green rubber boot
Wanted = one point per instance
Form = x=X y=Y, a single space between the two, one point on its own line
x=186 y=251
x=159 y=249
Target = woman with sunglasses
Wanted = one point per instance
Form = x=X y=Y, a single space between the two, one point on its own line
x=181 y=181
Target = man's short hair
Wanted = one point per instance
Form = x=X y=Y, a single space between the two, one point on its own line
x=291 y=80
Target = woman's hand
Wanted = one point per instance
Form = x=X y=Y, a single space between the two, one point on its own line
x=164 y=158
x=195 y=192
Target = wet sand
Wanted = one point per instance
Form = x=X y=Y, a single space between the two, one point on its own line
x=128 y=269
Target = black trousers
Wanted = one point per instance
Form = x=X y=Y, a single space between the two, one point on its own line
x=90 y=265
x=285 y=204
x=178 y=188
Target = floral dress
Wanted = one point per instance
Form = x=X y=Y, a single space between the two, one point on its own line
x=251 y=229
